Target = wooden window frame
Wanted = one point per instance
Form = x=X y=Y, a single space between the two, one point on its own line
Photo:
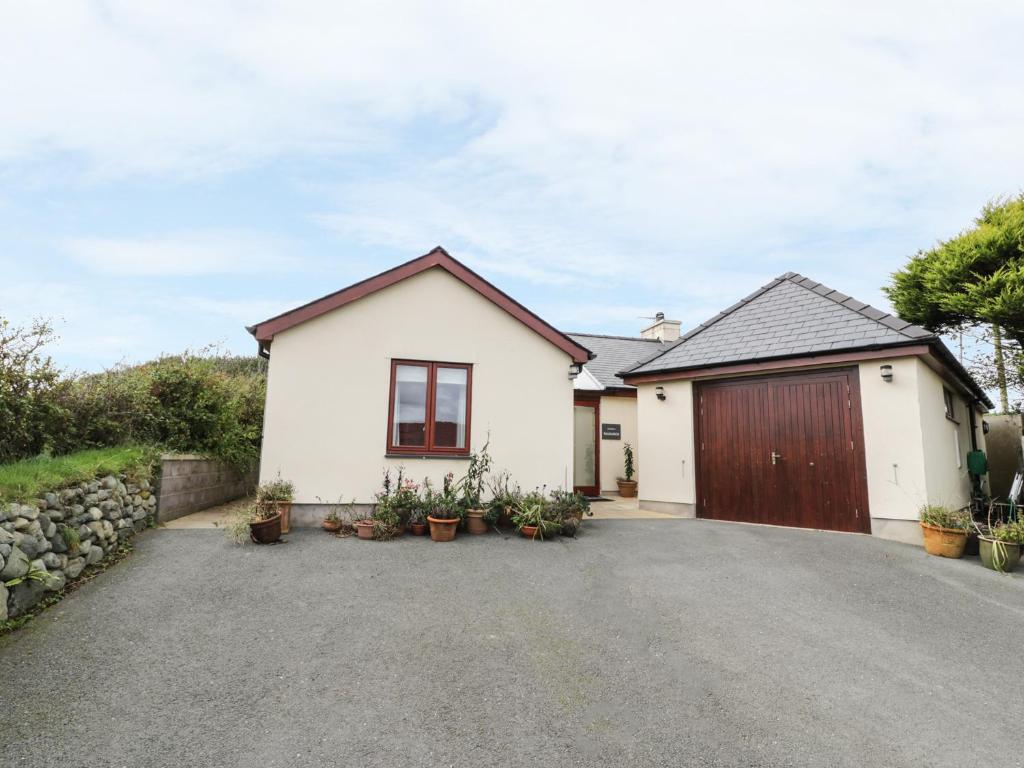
x=429 y=449
x=949 y=404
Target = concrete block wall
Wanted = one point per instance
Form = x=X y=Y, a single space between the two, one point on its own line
x=192 y=483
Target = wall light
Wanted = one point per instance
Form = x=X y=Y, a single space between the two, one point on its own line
x=660 y=392
x=886 y=372
x=574 y=370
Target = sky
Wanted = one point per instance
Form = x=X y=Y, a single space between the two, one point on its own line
x=171 y=172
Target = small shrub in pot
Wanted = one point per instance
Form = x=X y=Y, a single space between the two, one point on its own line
x=445 y=509
x=945 y=530
x=627 y=485
x=1000 y=545
x=277 y=496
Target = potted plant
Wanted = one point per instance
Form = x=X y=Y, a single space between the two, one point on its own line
x=945 y=530
x=569 y=507
x=504 y=500
x=277 y=496
x=418 y=520
x=264 y=524
x=627 y=485
x=1000 y=546
x=445 y=510
x=364 y=528
x=533 y=517
x=472 y=486
x=332 y=521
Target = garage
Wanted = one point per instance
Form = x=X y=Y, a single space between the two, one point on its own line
x=801 y=406
x=783 y=450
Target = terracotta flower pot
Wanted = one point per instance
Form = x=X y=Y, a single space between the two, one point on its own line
x=364 y=529
x=266 y=531
x=418 y=529
x=284 y=509
x=475 y=522
x=333 y=526
x=530 y=532
x=627 y=488
x=442 y=529
x=944 y=542
x=1003 y=556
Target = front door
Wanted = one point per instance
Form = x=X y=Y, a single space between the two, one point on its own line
x=783 y=450
x=586 y=448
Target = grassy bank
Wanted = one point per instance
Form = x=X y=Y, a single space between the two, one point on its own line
x=30 y=478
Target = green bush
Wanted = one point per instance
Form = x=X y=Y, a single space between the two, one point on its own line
x=197 y=403
x=30 y=391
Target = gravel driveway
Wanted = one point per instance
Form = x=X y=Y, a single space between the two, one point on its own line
x=642 y=643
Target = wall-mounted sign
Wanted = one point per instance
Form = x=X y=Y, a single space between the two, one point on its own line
x=611 y=431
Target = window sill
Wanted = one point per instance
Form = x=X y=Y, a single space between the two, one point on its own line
x=450 y=456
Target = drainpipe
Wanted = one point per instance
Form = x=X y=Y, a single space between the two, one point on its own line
x=974 y=427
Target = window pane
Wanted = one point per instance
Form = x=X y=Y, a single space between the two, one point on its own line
x=450 y=408
x=410 y=418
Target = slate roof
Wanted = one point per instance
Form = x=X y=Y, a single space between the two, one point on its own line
x=613 y=353
x=791 y=316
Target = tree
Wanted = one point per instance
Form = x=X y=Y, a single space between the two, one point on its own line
x=975 y=279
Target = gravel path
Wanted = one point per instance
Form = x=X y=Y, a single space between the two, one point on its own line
x=642 y=643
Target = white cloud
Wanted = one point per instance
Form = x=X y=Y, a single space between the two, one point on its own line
x=683 y=152
x=183 y=254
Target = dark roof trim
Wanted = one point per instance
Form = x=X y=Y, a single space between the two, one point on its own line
x=909 y=347
x=737 y=367
x=911 y=331
x=438 y=257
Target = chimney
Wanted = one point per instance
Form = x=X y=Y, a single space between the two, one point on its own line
x=661 y=329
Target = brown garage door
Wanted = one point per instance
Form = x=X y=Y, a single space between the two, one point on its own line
x=783 y=450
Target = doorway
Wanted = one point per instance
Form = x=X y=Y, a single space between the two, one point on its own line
x=586 y=446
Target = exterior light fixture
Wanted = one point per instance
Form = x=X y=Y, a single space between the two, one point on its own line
x=574 y=370
x=660 y=392
x=985 y=427
x=886 y=371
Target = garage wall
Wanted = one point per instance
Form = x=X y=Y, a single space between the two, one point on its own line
x=893 y=447
x=946 y=443
x=910 y=446
x=618 y=410
x=326 y=420
x=665 y=438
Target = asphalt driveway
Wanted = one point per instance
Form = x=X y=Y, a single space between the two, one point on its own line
x=642 y=643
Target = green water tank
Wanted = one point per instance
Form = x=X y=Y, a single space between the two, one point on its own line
x=977 y=463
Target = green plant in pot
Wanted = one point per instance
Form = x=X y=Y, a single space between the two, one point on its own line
x=333 y=522
x=260 y=524
x=535 y=517
x=386 y=522
x=627 y=485
x=1000 y=545
x=505 y=498
x=569 y=507
x=276 y=496
x=445 y=509
x=945 y=530
x=472 y=488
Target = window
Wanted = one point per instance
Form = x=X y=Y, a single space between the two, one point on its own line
x=429 y=407
x=947 y=397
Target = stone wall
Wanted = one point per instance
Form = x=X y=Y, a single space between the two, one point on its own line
x=192 y=483
x=56 y=537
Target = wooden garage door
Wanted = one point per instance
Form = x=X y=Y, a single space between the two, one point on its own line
x=783 y=450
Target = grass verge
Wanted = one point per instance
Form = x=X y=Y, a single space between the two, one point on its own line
x=28 y=479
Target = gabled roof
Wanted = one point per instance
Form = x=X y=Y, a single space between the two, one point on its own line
x=438 y=258
x=793 y=316
x=613 y=353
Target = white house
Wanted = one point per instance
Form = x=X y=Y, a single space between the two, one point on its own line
x=798 y=405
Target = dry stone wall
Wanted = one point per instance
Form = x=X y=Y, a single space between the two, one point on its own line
x=52 y=540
